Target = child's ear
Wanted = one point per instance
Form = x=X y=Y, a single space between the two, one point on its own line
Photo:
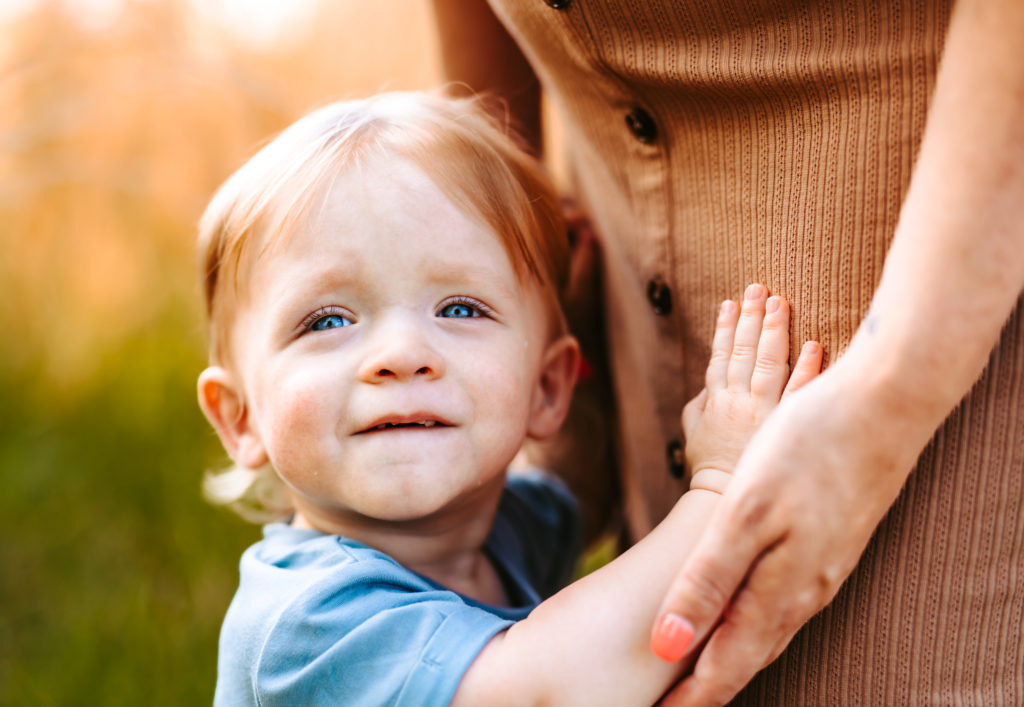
x=551 y=398
x=222 y=402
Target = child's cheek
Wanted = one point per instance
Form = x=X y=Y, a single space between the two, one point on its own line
x=301 y=428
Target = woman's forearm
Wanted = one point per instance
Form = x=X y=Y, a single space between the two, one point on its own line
x=479 y=57
x=956 y=264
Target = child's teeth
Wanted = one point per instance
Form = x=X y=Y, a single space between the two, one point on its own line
x=389 y=425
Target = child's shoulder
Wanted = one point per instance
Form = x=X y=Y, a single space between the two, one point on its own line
x=304 y=551
x=298 y=572
x=317 y=612
x=320 y=617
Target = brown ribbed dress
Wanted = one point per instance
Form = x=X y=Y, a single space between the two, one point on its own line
x=721 y=143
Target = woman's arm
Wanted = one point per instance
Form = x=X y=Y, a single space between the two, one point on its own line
x=588 y=644
x=821 y=473
x=480 y=57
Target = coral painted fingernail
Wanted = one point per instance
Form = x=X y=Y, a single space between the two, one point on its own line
x=671 y=637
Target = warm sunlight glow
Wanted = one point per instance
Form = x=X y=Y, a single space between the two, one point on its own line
x=95 y=15
x=118 y=119
x=13 y=9
x=259 y=23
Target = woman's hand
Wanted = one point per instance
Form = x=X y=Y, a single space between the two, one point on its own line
x=806 y=496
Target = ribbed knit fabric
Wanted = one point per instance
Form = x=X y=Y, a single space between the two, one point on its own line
x=785 y=134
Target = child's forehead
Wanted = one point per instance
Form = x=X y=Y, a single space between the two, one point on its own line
x=385 y=193
x=361 y=222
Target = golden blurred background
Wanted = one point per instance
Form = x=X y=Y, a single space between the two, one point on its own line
x=118 y=119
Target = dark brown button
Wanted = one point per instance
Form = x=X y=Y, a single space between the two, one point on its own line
x=642 y=125
x=676 y=459
x=558 y=4
x=660 y=296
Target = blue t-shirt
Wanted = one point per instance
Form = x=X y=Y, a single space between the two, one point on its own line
x=322 y=619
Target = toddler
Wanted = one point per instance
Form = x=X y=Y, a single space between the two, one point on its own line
x=382 y=284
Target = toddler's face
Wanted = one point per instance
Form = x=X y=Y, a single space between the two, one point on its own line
x=388 y=353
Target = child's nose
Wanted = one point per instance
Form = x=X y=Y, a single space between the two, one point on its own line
x=401 y=351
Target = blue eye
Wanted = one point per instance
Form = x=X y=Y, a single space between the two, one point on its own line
x=458 y=310
x=330 y=321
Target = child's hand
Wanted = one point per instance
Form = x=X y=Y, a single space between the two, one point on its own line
x=746 y=378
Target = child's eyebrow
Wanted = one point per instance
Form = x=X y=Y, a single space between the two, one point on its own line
x=316 y=279
x=475 y=275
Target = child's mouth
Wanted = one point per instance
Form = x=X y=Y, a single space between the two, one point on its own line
x=407 y=422
x=393 y=425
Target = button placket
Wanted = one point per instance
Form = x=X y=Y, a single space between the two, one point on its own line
x=642 y=125
x=676 y=459
x=660 y=296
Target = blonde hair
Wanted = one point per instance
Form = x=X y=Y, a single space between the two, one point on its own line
x=472 y=159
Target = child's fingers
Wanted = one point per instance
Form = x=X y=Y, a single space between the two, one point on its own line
x=748 y=331
x=692 y=412
x=721 y=345
x=770 y=366
x=806 y=368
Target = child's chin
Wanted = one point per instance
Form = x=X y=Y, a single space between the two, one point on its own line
x=405 y=513
x=404 y=502
x=422 y=504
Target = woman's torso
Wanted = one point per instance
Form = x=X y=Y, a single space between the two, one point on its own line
x=717 y=144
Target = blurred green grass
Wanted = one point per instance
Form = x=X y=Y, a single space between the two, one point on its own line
x=115 y=573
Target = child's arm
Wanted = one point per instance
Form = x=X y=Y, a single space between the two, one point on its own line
x=590 y=643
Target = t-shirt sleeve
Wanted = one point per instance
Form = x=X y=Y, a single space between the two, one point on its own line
x=372 y=639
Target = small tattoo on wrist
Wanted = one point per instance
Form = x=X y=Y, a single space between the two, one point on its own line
x=871 y=322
